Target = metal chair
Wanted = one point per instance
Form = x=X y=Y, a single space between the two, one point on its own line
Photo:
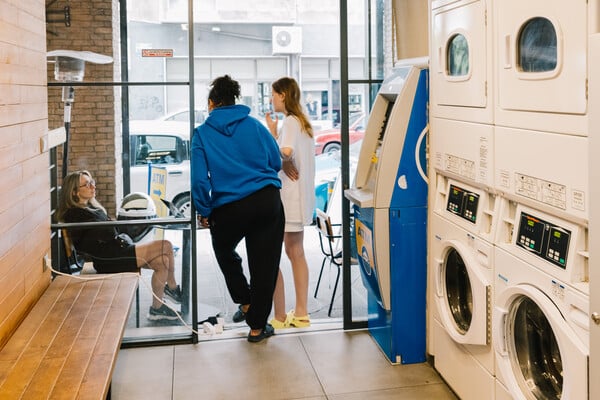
x=328 y=241
x=74 y=262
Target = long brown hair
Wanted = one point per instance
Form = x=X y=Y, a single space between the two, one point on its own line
x=291 y=91
x=68 y=194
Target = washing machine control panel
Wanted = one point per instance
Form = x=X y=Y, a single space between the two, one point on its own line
x=544 y=239
x=463 y=203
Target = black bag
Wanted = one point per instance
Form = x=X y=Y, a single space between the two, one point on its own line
x=124 y=240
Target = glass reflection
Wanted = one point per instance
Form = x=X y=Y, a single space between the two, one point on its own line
x=536 y=351
x=537 y=46
x=458 y=56
x=458 y=291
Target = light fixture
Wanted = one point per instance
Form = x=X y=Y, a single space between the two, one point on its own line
x=69 y=66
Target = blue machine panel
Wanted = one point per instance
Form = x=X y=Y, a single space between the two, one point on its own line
x=411 y=179
x=400 y=331
x=390 y=216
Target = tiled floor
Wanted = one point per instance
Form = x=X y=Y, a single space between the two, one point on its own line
x=334 y=365
x=320 y=362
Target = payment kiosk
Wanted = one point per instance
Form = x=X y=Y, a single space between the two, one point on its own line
x=390 y=213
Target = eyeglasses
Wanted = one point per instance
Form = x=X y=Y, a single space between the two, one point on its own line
x=89 y=184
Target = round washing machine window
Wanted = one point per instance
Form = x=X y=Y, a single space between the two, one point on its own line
x=457 y=56
x=537 y=46
x=536 y=354
x=458 y=291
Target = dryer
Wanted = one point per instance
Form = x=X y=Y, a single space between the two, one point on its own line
x=541 y=63
x=461 y=60
x=540 y=324
x=463 y=151
x=460 y=270
x=543 y=170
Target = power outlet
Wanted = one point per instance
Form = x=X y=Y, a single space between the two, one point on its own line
x=45 y=263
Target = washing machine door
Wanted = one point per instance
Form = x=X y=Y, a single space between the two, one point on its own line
x=538 y=354
x=462 y=294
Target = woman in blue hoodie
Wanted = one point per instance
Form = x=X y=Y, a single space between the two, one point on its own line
x=235 y=189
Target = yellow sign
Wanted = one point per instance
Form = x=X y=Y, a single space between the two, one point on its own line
x=157 y=189
x=364 y=245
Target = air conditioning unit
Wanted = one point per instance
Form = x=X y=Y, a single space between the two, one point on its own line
x=287 y=39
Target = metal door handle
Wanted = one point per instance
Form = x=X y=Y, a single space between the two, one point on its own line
x=596 y=318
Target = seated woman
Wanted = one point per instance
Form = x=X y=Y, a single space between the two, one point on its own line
x=110 y=254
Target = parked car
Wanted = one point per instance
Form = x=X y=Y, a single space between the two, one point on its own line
x=321 y=124
x=167 y=144
x=184 y=116
x=327 y=171
x=329 y=140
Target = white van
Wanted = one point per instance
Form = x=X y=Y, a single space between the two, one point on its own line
x=165 y=144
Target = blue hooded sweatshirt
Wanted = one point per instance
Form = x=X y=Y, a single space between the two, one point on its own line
x=233 y=156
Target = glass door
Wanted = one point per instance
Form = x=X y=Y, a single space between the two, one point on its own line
x=139 y=112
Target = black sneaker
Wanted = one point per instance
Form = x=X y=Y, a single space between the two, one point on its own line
x=239 y=315
x=174 y=294
x=162 y=313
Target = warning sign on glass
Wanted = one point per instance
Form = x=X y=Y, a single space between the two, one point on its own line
x=157 y=52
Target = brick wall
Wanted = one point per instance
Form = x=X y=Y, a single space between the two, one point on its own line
x=94 y=129
x=25 y=194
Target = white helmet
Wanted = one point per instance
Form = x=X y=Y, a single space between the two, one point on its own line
x=136 y=205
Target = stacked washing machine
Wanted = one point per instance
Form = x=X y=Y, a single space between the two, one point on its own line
x=540 y=325
x=464 y=207
x=508 y=294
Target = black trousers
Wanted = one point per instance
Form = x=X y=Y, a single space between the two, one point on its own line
x=260 y=220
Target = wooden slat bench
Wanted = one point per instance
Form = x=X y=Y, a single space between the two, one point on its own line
x=67 y=345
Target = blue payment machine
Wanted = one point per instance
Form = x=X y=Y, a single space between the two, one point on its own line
x=389 y=197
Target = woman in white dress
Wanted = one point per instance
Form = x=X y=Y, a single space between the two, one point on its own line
x=296 y=144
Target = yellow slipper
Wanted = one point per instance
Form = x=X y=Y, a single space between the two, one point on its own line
x=298 y=322
x=277 y=324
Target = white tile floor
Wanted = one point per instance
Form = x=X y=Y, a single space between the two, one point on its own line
x=320 y=362
x=333 y=365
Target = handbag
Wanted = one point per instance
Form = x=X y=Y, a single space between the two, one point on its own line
x=124 y=240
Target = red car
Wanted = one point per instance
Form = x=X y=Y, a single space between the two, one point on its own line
x=328 y=140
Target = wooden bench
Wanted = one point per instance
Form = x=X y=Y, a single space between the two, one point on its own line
x=67 y=345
